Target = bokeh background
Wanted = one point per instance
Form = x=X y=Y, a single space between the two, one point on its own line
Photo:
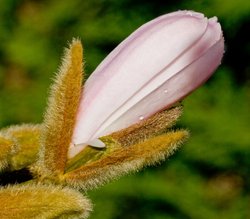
x=209 y=177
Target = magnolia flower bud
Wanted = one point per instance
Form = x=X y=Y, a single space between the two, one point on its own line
x=156 y=66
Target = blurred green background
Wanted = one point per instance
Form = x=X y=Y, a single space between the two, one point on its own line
x=207 y=178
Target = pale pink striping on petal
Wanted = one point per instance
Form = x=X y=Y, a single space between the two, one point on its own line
x=210 y=38
x=157 y=65
x=147 y=53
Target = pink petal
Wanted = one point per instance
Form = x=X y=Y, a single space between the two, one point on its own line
x=154 y=67
x=212 y=35
x=173 y=90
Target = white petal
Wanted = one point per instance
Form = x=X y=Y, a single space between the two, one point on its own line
x=211 y=36
x=131 y=66
x=75 y=149
x=177 y=87
x=97 y=143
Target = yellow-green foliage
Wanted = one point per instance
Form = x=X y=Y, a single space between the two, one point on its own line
x=150 y=127
x=91 y=154
x=40 y=201
x=209 y=177
x=153 y=126
x=5 y=150
x=26 y=139
x=61 y=112
x=126 y=159
x=126 y=150
x=43 y=149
